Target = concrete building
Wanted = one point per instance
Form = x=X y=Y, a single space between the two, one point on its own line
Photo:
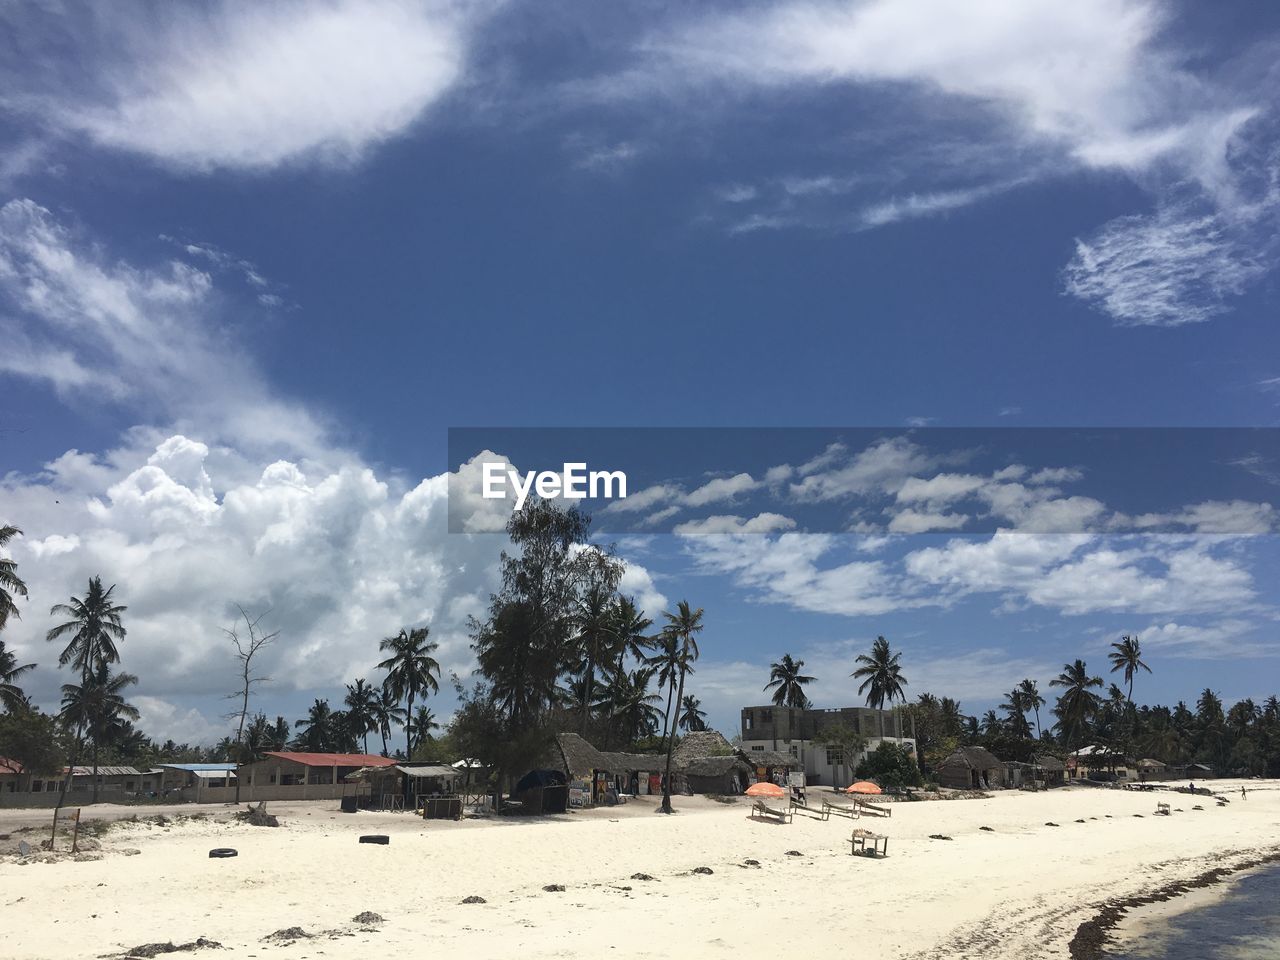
x=116 y=784
x=800 y=733
x=199 y=782
x=286 y=775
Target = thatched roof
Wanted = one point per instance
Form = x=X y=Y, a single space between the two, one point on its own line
x=713 y=766
x=971 y=758
x=769 y=758
x=578 y=757
x=626 y=762
x=1045 y=762
x=700 y=744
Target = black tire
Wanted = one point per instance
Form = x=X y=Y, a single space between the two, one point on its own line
x=222 y=853
x=381 y=838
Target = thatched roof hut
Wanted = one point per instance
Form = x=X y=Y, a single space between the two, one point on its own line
x=577 y=758
x=971 y=768
x=698 y=745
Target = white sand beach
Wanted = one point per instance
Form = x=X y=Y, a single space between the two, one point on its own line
x=1019 y=890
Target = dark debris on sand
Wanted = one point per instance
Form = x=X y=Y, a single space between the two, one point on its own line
x=554 y=888
x=288 y=935
x=705 y=871
x=794 y=853
x=367 y=917
x=987 y=829
x=474 y=899
x=145 y=950
x=938 y=836
x=641 y=876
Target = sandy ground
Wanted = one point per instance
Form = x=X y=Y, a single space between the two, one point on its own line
x=1019 y=890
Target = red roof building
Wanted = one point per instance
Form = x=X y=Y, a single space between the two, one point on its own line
x=333 y=759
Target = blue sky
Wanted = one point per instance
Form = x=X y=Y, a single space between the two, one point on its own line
x=255 y=260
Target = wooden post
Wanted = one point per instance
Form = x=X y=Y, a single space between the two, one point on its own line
x=53 y=834
x=75 y=833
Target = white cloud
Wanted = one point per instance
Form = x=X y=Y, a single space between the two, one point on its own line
x=722 y=524
x=1171 y=268
x=152 y=338
x=1225 y=639
x=252 y=86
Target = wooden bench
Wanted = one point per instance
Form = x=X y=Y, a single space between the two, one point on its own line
x=760 y=808
x=868 y=845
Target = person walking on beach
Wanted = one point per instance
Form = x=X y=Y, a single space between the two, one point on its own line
x=1242 y=791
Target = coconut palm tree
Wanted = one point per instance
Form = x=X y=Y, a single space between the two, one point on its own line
x=595 y=642
x=387 y=712
x=692 y=716
x=682 y=628
x=1127 y=656
x=789 y=682
x=318 y=733
x=635 y=708
x=1016 y=707
x=360 y=701
x=631 y=627
x=410 y=670
x=97 y=706
x=94 y=628
x=881 y=677
x=1032 y=700
x=1078 y=701
x=10 y=582
x=424 y=721
x=12 y=698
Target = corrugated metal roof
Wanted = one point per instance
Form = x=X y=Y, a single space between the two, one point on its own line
x=429 y=770
x=9 y=766
x=196 y=767
x=333 y=759
x=213 y=774
x=105 y=771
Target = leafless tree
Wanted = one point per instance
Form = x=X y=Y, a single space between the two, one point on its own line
x=247 y=648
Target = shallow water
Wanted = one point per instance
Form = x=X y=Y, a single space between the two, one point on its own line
x=1245 y=925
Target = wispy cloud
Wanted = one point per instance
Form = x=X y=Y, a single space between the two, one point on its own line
x=246 y=86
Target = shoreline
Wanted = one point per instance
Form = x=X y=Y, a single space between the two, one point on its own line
x=1095 y=937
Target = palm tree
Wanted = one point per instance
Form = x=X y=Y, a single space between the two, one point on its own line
x=1078 y=701
x=631 y=627
x=1031 y=700
x=682 y=627
x=1016 y=707
x=410 y=669
x=10 y=582
x=1127 y=656
x=318 y=733
x=12 y=698
x=595 y=642
x=881 y=677
x=785 y=675
x=634 y=707
x=692 y=716
x=94 y=627
x=424 y=721
x=387 y=713
x=360 y=701
x=97 y=705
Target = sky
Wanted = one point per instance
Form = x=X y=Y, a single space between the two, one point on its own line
x=257 y=260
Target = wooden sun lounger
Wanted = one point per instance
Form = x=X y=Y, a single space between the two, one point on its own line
x=820 y=813
x=840 y=810
x=1162 y=808
x=866 y=806
x=760 y=808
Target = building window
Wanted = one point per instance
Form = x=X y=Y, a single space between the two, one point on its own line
x=747 y=722
x=766 y=716
x=128 y=784
x=758 y=749
x=835 y=757
x=290 y=779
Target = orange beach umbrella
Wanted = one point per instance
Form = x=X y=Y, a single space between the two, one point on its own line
x=766 y=789
x=862 y=786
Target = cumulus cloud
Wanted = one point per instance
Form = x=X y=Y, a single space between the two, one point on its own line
x=250 y=86
x=340 y=558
